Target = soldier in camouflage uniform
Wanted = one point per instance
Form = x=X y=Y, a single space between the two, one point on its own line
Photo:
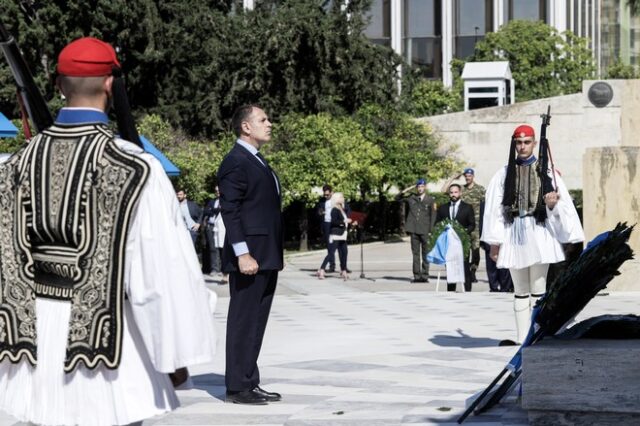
x=473 y=194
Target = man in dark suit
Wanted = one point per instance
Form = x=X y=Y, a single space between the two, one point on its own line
x=463 y=214
x=252 y=253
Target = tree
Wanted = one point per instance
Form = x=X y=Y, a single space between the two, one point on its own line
x=543 y=62
x=193 y=62
x=409 y=150
x=309 y=151
x=430 y=97
x=620 y=70
x=634 y=6
x=197 y=159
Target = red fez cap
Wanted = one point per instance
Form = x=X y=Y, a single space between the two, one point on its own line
x=87 y=57
x=524 y=131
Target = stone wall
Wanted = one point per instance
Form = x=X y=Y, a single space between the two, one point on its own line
x=612 y=195
x=483 y=136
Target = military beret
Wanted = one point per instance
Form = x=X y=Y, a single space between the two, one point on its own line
x=524 y=131
x=469 y=171
x=421 y=181
x=87 y=57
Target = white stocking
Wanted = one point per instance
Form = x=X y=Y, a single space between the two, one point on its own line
x=523 y=317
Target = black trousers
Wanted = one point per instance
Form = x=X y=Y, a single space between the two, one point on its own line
x=419 y=252
x=212 y=256
x=499 y=279
x=249 y=307
x=343 y=251
x=330 y=259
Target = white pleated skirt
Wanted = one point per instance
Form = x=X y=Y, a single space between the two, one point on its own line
x=46 y=395
x=527 y=243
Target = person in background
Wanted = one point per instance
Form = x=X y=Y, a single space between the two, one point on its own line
x=338 y=235
x=323 y=209
x=461 y=212
x=214 y=233
x=419 y=221
x=191 y=213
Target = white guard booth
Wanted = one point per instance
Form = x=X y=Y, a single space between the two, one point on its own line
x=487 y=84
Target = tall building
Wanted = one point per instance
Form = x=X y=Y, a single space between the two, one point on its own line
x=430 y=33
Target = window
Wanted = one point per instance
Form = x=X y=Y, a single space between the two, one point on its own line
x=422 y=45
x=473 y=20
x=379 y=29
x=531 y=10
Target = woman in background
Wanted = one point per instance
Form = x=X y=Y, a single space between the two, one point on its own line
x=338 y=235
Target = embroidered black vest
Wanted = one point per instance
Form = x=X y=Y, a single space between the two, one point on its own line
x=528 y=191
x=66 y=202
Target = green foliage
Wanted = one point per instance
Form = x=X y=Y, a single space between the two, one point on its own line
x=634 y=6
x=197 y=159
x=161 y=133
x=12 y=145
x=440 y=197
x=622 y=71
x=543 y=62
x=440 y=227
x=198 y=162
x=431 y=97
x=193 y=62
x=409 y=148
x=310 y=151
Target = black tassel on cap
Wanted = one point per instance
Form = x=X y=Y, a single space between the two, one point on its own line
x=509 y=195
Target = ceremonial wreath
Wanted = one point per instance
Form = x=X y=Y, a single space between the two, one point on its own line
x=459 y=230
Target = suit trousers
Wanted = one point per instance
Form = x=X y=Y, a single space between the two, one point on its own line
x=499 y=279
x=419 y=252
x=249 y=307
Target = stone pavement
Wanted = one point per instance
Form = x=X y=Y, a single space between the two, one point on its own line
x=383 y=352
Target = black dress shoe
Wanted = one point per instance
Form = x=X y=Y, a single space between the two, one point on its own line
x=270 y=396
x=250 y=397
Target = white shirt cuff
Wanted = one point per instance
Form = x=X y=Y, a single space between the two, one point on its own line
x=240 y=248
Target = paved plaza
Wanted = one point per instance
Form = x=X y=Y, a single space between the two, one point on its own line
x=363 y=352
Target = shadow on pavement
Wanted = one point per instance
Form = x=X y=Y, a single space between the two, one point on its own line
x=463 y=341
x=212 y=383
x=390 y=278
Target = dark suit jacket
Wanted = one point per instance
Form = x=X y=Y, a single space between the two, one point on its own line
x=195 y=211
x=464 y=216
x=251 y=211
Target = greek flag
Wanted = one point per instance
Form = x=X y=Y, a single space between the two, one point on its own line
x=448 y=252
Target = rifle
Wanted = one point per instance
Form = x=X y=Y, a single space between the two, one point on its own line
x=30 y=97
x=544 y=155
x=28 y=94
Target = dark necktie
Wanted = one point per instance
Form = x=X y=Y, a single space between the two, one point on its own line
x=264 y=160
